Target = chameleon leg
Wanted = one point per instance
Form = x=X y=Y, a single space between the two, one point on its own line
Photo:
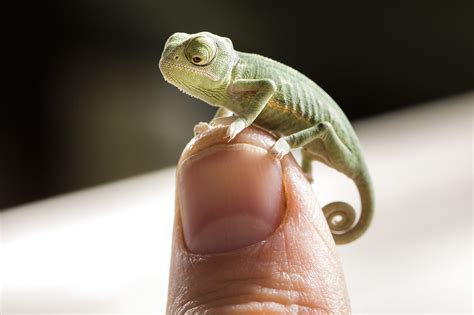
x=307 y=165
x=264 y=90
x=222 y=112
x=337 y=153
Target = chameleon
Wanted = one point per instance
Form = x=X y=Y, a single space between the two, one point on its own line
x=258 y=90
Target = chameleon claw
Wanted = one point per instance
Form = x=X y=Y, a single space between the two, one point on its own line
x=234 y=129
x=280 y=149
x=309 y=177
x=201 y=127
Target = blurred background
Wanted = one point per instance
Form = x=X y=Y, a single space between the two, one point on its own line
x=87 y=104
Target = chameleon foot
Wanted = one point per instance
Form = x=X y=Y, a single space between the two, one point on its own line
x=309 y=177
x=234 y=129
x=201 y=128
x=280 y=149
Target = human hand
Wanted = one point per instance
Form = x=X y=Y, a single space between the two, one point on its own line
x=249 y=235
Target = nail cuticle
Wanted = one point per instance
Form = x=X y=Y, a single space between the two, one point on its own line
x=220 y=147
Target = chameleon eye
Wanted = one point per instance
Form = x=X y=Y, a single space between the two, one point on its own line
x=196 y=59
x=201 y=50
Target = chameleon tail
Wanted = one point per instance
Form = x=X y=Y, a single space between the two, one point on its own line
x=341 y=216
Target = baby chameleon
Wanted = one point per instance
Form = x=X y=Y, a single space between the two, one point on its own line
x=278 y=98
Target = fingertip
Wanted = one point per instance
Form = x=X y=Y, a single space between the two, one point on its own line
x=284 y=244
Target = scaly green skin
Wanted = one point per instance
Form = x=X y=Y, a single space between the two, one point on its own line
x=272 y=95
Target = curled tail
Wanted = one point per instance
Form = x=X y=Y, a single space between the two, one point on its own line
x=341 y=216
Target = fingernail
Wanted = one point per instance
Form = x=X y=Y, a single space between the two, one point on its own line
x=229 y=197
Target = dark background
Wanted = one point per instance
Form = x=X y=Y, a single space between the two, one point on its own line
x=86 y=103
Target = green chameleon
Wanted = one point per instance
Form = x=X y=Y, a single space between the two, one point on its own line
x=278 y=98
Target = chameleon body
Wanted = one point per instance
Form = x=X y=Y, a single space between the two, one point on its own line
x=278 y=98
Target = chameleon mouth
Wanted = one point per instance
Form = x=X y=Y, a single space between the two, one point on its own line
x=170 y=77
x=168 y=64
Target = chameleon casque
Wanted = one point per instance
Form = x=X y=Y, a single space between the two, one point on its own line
x=278 y=98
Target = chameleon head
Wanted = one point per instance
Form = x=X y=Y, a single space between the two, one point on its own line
x=197 y=62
